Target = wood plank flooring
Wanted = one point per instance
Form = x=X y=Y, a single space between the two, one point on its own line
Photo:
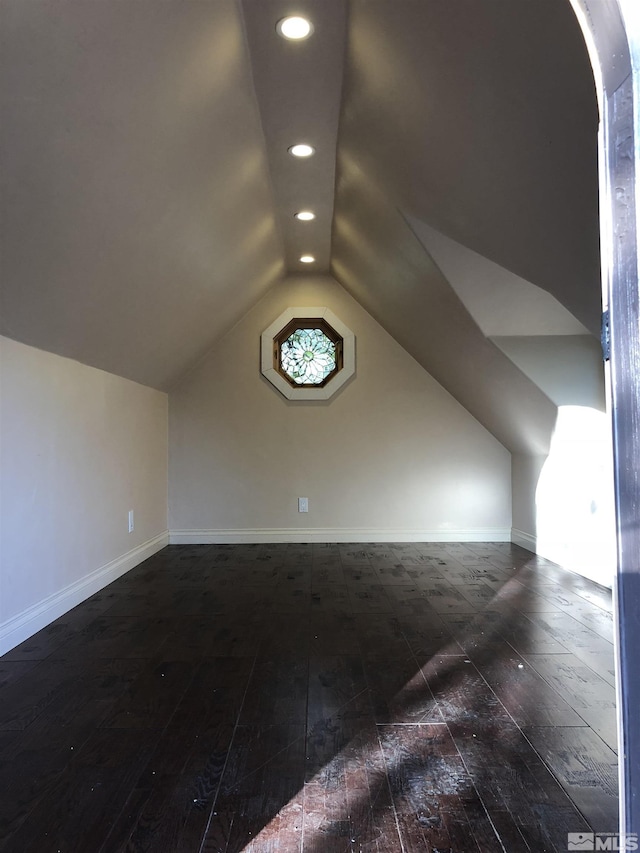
x=316 y=698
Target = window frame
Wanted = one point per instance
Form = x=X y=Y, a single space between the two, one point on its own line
x=282 y=327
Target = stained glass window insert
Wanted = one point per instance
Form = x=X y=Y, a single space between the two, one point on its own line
x=308 y=356
x=307 y=352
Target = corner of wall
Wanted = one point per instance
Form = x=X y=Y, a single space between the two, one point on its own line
x=24 y=625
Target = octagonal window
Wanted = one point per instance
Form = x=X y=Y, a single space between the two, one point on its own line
x=307 y=353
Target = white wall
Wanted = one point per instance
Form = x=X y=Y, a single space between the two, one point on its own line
x=78 y=448
x=574 y=497
x=391 y=455
x=568 y=368
x=563 y=503
x=525 y=473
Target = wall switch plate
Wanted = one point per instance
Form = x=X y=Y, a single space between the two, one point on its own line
x=303 y=504
x=131 y=521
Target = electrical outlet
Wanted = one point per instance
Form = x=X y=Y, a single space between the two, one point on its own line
x=131 y=525
x=303 y=504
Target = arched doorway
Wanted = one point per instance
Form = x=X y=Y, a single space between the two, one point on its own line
x=612 y=32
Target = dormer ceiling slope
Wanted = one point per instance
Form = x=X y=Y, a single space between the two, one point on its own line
x=385 y=267
x=479 y=119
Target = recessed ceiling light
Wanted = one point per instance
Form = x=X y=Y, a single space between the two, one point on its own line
x=305 y=215
x=307 y=259
x=302 y=150
x=294 y=28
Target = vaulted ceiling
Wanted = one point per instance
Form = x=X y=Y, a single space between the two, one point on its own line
x=148 y=194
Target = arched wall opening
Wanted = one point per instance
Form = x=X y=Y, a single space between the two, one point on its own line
x=611 y=29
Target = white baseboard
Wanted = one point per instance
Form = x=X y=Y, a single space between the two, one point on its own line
x=525 y=540
x=588 y=559
x=19 y=628
x=330 y=534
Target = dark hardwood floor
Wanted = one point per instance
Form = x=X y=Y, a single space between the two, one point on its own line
x=316 y=698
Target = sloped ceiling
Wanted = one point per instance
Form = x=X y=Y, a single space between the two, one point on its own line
x=500 y=302
x=148 y=197
x=137 y=216
x=477 y=121
x=480 y=119
x=384 y=266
